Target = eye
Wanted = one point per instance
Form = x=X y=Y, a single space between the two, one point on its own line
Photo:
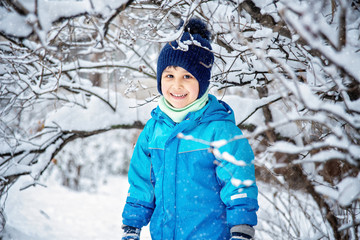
x=187 y=76
x=168 y=76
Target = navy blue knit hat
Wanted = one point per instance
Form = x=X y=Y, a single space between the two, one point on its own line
x=193 y=54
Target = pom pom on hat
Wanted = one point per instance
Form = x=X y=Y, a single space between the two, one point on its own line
x=196 y=26
x=192 y=52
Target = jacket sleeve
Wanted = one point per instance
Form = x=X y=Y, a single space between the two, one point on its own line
x=236 y=173
x=140 y=204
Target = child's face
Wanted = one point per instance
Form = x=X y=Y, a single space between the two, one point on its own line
x=179 y=87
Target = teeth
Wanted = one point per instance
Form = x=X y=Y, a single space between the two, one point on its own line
x=176 y=95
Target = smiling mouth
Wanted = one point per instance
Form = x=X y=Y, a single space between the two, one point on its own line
x=178 y=95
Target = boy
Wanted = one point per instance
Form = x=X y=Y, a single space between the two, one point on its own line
x=179 y=185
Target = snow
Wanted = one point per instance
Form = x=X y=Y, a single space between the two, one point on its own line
x=347 y=58
x=237 y=182
x=347 y=191
x=125 y=113
x=57 y=213
x=228 y=157
x=245 y=107
x=50 y=11
x=13 y=24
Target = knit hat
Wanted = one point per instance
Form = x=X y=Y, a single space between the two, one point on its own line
x=192 y=52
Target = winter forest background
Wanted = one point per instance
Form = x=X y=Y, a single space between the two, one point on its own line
x=77 y=84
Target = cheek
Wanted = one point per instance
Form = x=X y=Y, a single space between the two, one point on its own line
x=195 y=89
x=163 y=86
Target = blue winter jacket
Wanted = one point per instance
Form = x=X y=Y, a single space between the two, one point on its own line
x=180 y=187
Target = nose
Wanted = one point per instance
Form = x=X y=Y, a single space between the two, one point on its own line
x=178 y=82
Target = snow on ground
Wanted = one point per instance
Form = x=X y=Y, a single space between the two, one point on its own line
x=57 y=213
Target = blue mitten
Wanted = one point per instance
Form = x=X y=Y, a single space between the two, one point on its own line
x=131 y=233
x=243 y=232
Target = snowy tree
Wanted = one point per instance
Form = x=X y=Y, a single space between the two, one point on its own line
x=289 y=68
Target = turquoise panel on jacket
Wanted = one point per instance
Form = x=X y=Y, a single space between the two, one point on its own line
x=180 y=187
